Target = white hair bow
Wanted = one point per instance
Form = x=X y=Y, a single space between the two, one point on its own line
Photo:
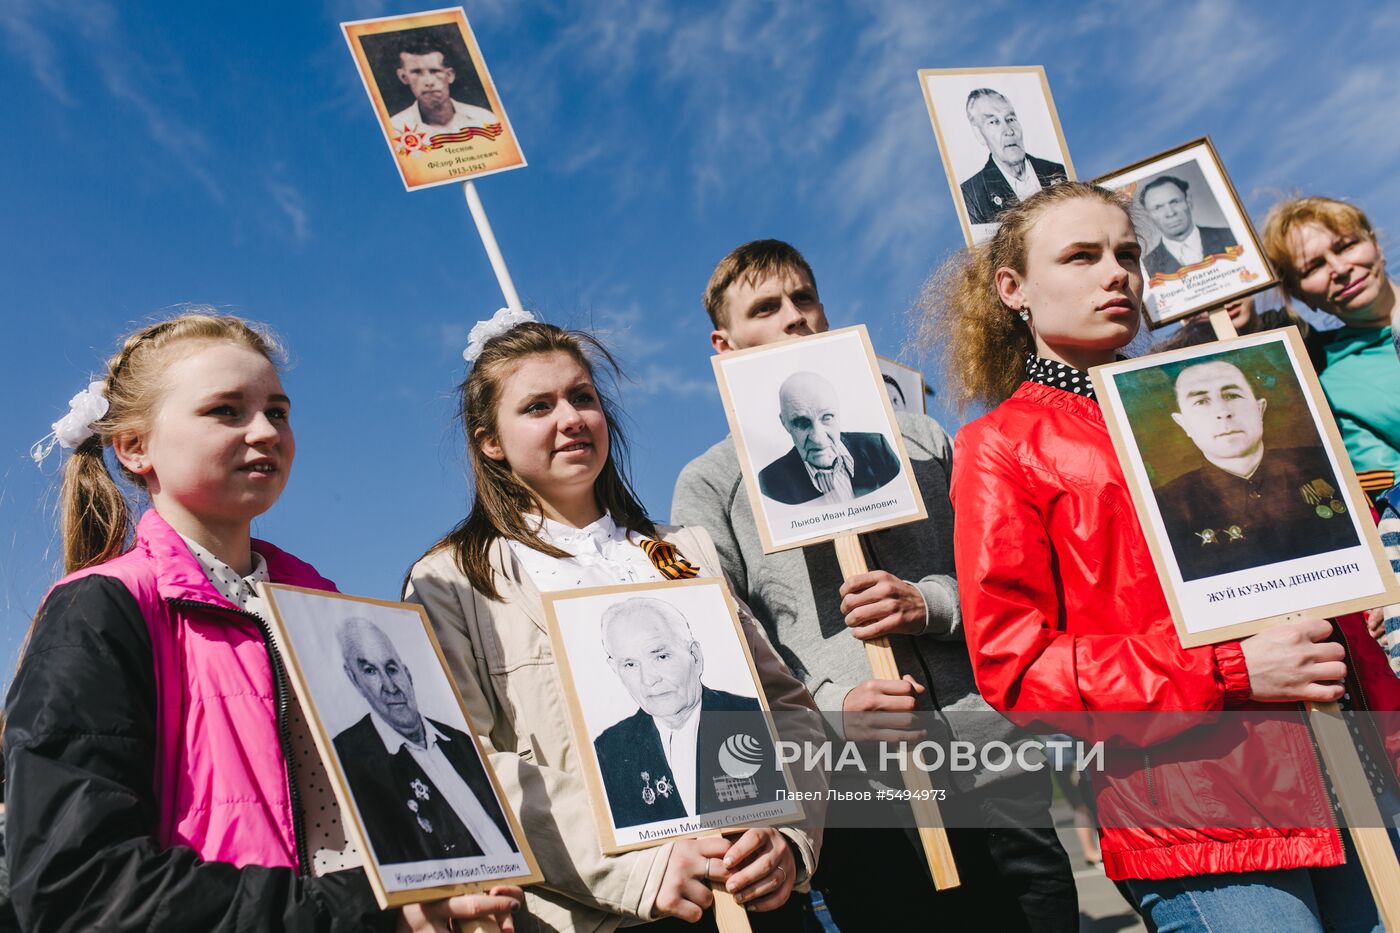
x=500 y=322
x=75 y=427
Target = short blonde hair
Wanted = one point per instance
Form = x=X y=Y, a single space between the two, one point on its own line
x=1285 y=217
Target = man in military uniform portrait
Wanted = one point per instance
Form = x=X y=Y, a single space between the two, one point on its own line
x=418 y=783
x=1011 y=174
x=1246 y=505
x=825 y=464
x=677 y=755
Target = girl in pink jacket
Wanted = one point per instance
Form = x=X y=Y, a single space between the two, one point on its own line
x=160 y=775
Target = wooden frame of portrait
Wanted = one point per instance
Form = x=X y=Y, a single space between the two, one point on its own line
x=940 y=131
x=1255 y=274
x=349 y=811
x=852 y=345
x=905 y=375
x=1198 y=620
x=570 y=678
x=425 y=161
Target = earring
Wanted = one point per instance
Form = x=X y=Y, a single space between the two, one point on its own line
x=1025 y=314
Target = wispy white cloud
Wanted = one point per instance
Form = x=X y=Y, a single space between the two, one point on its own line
x=293 y=206
x=35 y=27
x=658 y=381
x=18 y=20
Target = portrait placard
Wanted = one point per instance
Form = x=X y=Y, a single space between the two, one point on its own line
x=817 y=440
x=999 y=136
x=667 y=712
x=904 y=385
x=1199 y=248
x=1250 y=506
x=422 y=804
x=433 y=97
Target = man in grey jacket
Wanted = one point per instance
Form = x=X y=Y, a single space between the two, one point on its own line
x=761 y=293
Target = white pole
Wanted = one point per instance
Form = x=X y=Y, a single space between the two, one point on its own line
x=493 y=252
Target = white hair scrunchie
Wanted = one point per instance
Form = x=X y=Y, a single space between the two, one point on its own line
x=500 y=322
x=75 y=427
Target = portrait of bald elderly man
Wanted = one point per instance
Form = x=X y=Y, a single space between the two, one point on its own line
x=825 y=464
x=663 y=761
x=1246 y=505
x=1011 y=174
x=418 y=783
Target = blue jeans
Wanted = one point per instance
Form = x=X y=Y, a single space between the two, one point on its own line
x=1298 y=900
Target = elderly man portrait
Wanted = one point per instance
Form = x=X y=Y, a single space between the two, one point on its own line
x=424 y=66
x=663 y=761
x=1167 y=200
x=418 y=783
x=825 y=464
x=1010 y=174
x=1245 y=505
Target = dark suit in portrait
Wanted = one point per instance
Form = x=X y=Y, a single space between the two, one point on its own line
x=1291 y=507
x=786 y=479
x=405 y=815
x=638 y=779
x=1214 y=241
x=988 y=193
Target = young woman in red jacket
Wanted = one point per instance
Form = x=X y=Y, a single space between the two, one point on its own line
x=1064 y=612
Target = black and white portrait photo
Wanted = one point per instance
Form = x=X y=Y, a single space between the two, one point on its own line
x=1176 y=217
x=666 y=694
x=433 y=95
x=813 y=421
x=372 y=682
x=824 y=464
x=904 y=385
x=1198 y=247
x=1253 y=507
x=999 y=136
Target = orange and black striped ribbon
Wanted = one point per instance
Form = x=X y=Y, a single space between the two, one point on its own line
x=1376 y=481
x=461 y=136
x=669 y=560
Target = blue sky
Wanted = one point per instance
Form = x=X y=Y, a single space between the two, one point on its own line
x=226 y=154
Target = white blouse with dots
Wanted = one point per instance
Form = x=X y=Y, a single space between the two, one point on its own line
x=321 y=824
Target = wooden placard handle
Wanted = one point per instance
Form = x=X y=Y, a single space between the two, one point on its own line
x=926 y=815
x=730 y=917
x=1368 y=834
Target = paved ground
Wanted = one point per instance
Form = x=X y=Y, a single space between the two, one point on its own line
x=1101 y=908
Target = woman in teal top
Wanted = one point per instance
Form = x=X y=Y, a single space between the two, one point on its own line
x=1328 y=256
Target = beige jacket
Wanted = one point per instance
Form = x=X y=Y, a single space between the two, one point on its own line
x=501 y=657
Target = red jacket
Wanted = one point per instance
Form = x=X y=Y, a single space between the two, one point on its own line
x=1063 y=611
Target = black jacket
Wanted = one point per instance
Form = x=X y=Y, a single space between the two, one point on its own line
x=1289 y=508
x=406 y=817
x=987 y=193
x=1214 y=241
x=786 y=479
x=639 y=783
x=80 y=737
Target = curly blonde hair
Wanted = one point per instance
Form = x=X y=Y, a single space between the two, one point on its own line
x=982 y=344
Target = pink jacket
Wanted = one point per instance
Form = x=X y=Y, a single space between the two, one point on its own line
x=220 y=776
